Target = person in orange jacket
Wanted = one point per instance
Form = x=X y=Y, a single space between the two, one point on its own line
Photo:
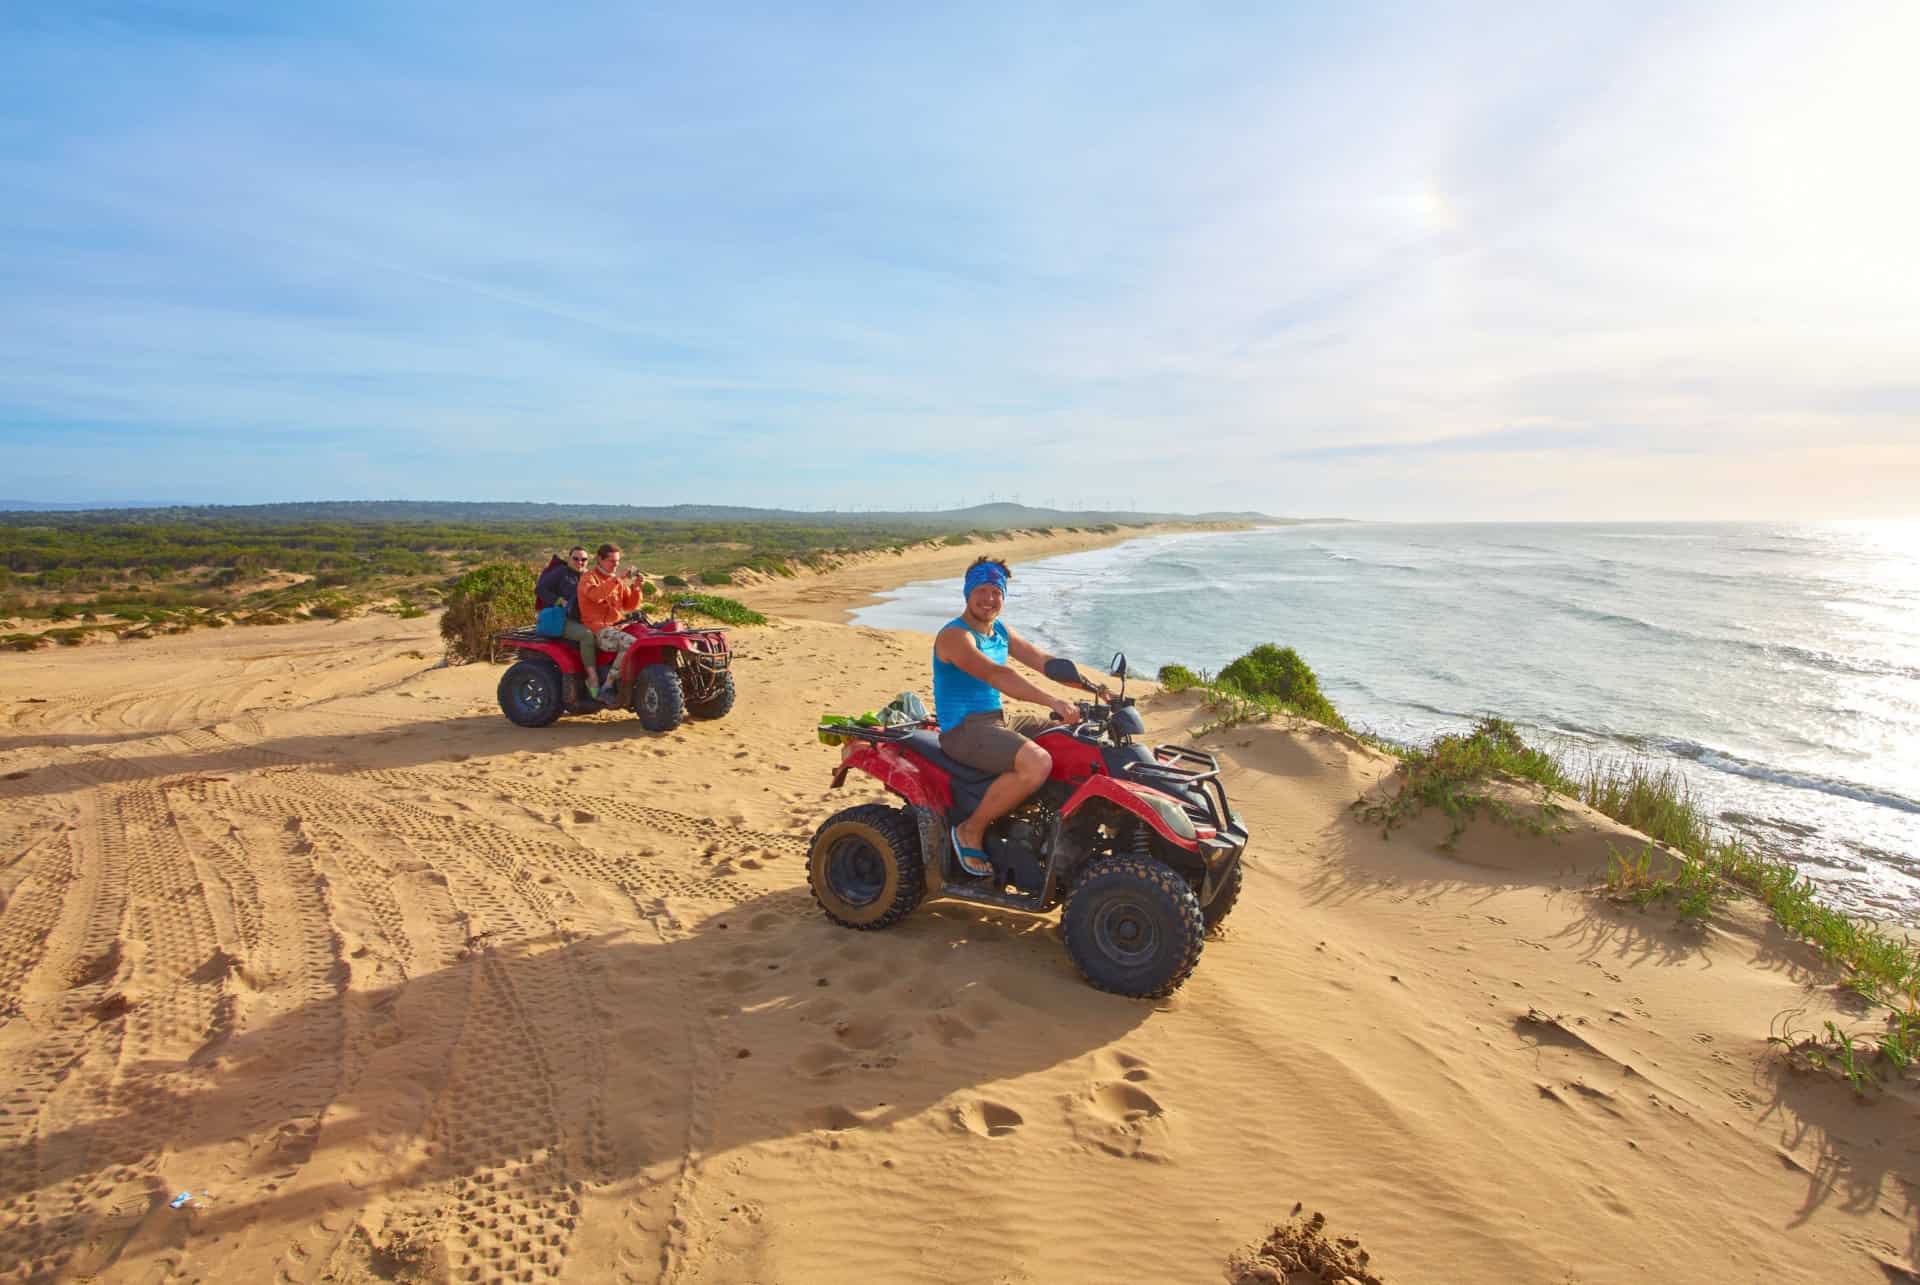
x=605 y=596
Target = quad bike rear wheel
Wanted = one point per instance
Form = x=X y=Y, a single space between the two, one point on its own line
x=1133 y=927
x=865 y=867
x=1216 y=910
x=719 y=703
x=657 y=698
x=530 y=693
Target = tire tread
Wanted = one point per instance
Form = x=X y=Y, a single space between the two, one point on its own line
x=1177 y=895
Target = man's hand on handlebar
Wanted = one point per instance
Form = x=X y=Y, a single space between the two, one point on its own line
x=1064 y=711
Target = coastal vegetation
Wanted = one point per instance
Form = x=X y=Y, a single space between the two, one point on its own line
x=1687 y=863
x=1265 y=681
x=137 y=573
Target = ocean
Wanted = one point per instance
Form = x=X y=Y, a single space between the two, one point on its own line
x=1776 y=666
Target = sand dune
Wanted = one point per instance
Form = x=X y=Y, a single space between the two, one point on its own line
x=296 y=921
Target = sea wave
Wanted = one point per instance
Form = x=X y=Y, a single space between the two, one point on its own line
x=1866 y=666
x=1734 y=765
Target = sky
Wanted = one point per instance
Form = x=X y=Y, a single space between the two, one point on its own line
x=1425 y=261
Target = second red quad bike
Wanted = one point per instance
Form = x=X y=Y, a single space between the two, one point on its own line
x=671 y=671
x=1137 y=843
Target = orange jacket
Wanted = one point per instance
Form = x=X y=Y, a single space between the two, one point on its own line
x=603 y=599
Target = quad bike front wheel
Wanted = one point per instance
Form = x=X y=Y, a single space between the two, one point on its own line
x=865 y=867
x=530 y=693
x=657 y=698
x=719 y=703
x=1133 y=927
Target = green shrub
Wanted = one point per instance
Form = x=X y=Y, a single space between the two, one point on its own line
x=716 y=577
x=674 y=582
x=1278 y=674
x=1178 y=678
x=958 y=538
x=23 y=642
x=725 y=610
x=483 y=602
x=333 y=608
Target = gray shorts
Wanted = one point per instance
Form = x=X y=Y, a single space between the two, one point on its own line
x=988 y=741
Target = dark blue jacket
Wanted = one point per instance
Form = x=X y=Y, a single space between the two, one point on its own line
x=560 y=583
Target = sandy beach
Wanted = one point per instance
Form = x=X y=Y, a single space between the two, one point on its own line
x=295 y=921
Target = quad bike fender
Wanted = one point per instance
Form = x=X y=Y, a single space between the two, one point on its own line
x=657 y=647
x=905 y=776
x=564 y=654
x=1147 y=804
x=1208 y=858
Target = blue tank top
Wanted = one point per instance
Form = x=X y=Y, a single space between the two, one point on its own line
x=956 y=693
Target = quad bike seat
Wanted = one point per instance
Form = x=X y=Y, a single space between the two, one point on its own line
x=968 y=784
x=927 y=745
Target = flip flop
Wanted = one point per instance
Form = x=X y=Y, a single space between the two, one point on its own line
x=972 y=860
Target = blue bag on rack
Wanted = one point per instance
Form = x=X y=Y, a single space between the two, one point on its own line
x=551 y=622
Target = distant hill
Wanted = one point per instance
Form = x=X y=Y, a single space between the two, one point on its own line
x=62 y=506
x=984 y=517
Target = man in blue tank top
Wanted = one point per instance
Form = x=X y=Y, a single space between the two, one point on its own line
x=970 y=674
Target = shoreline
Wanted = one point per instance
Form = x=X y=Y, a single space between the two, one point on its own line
x=858 y=580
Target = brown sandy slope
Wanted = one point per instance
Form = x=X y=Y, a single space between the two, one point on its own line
x=295 y=919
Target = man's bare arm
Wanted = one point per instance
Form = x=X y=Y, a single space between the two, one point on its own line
x=1025 y=652
x=956 y=649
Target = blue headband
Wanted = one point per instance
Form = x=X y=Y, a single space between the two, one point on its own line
x=985 y=573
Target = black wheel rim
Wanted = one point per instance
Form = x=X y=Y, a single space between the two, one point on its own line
x=650 y=700
x=856 y=872
x=1126 y=930
x=531 y=694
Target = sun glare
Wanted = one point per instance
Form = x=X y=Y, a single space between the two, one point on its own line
x=1433 y=209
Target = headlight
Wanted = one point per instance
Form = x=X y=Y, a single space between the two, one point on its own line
x=1170 y=812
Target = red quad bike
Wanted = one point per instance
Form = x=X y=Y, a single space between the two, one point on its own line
x=672 y=671
x=1139 y=843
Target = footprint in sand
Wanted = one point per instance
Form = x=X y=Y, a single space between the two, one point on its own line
x=1124 y=1103
x=950 y=1030
x=1118 y=1064
x=835 y=1118
x=987 y=1119
x=1117 y=1115
x=864 y=1033
x=821 y=1061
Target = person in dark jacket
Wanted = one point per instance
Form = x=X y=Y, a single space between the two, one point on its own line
x=561 y=583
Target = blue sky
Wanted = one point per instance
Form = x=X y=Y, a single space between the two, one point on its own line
x=1424 y=261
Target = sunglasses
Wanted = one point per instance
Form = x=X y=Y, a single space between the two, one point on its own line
x=581 y=558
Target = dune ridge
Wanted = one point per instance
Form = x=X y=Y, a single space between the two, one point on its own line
x=295 y=921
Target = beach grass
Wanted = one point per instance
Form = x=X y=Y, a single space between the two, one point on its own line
x=1712 y=865
x=1451 y=774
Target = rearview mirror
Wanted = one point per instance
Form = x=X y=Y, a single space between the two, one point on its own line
x=1119 y=667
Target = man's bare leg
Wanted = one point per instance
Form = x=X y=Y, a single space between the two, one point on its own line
x=1008 y=791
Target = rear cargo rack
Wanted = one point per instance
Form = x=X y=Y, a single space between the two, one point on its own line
x=877 y=735
x=1203 y=779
